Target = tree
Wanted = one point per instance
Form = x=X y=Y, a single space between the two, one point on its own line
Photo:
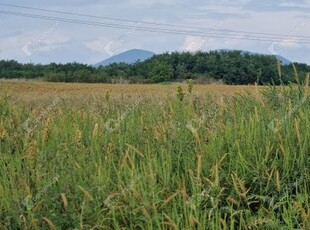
x=233 y=67
x=181 y=72
x=161 y=72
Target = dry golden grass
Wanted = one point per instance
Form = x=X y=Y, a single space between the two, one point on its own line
x=37 y=91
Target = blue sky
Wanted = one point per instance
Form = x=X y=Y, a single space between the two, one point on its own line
x=39 y=41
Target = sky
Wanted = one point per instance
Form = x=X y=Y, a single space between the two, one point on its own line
x=45 y=41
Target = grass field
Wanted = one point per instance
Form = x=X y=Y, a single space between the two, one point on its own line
x=82 y=156
x=31 y=90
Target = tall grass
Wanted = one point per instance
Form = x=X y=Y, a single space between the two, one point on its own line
x=238 y=162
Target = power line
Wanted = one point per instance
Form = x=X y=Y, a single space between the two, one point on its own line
x=153 y=23
x=155 y=30
x=148 y=29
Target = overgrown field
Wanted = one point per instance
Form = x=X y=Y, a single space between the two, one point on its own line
x=178 y=160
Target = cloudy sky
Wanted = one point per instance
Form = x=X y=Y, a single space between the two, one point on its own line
x=43 y=41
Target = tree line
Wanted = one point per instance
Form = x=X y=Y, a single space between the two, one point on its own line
x=230 y=67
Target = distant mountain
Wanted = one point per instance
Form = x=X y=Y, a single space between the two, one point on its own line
x=129 y=56
x=282 y=59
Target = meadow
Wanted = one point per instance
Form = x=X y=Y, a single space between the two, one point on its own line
x=84 y=156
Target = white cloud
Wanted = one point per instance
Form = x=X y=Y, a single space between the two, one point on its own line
x=192 y=43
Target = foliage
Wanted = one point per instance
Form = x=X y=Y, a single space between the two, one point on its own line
x=180 y=93
x=211 y=162
x=231 y=67
x=190 y=86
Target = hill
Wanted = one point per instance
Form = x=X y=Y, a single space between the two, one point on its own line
x=127 y=57
x=283 y=60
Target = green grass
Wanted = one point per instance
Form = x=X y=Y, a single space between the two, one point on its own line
x=200 y=163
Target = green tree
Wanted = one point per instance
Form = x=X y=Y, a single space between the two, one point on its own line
x=161 y=72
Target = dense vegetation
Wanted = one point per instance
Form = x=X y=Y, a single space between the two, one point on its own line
x=182 y=162
x=231 y=67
